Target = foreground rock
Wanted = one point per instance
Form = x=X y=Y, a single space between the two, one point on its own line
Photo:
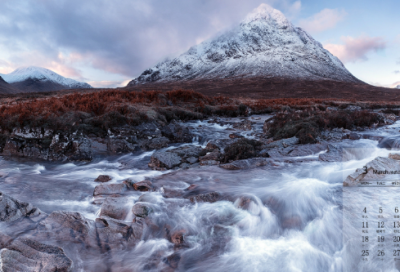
x=26 y=255
x=376 y=170
x=12 y=209
x=186 y=155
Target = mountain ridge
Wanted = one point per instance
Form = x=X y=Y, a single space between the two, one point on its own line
x=264 y=44
x=39 y=79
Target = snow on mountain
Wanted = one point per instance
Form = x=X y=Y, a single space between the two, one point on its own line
x=43 y=75
x=264 y=44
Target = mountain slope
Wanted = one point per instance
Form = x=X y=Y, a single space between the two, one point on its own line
x=6 y=88
x=265 y=44
x=38 y=79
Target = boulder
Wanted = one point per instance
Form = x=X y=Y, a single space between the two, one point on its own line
x=141 y=210
x=334 y=154
x=119 y=146
x=244 y=125
x=148 y=131
x=115 y=207
x=207 y=197
x=26 y=255
x=156 y=143
x=219 y=144
x=392 y=142
x=235 y=136
x=177 y=133
x=110 y=189
x=103 y=178
x=65 y=226
x=188 y=151
x=164 y=160
x=214 y=156
x=283 y=143
x=377 y=169
x=12 y=209
x=394 y=156
x=143 y=186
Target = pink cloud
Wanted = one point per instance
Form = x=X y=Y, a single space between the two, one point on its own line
x=356 y=49
x=323 y=20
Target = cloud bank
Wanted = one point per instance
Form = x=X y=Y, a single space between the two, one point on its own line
x=117 y=37
x=356 y=49
x=323 y=20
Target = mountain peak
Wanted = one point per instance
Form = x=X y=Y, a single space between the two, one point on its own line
x=267 y=13
x=44 y=76
x=265 y=44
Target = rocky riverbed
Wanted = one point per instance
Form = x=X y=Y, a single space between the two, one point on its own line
x=220 y=194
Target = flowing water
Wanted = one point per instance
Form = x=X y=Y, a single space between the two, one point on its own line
x=293 y=222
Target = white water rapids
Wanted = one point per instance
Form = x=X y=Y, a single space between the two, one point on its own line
x=294 y=221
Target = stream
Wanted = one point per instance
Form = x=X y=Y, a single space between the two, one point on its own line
x=282 y=217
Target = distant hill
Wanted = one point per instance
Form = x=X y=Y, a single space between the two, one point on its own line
x=38 y=79
x=6 y=88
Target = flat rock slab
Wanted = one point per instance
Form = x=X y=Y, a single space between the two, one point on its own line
x=115 y=207
x=164 y=160
x=26 y=255
x=377 y=169
x=283 y=143
x=110 y=189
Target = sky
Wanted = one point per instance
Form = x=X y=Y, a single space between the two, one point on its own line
x=108 y=43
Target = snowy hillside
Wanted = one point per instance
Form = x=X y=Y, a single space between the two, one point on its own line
x=42 y=74
x=264 y=44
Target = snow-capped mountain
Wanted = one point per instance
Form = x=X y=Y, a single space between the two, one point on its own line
x=40 y=79
x=264 y=44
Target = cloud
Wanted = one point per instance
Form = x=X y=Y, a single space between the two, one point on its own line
x=398 y=62
x=119 y=37
x=323 y=20
x=397 y=72
x=394 y=85
x=356 y=49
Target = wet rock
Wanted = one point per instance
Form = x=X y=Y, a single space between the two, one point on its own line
x=177 y=133
x=26 y=255
x=394 y=156
x=293 y=222
x=173 y=260
x=245 y=125
x=390 y=143
x=164 y=160
x=219 y=144
x=335 y=134
x=334 y=154
x=103 y=178
x=177 y=237
x=244 y=202
x=12 y=209
x=375 y=170
x=211 y=158
x=208 y=197
x=246 y=164
x=354 y=136
x=156 y=143
x=109 y=189
x=148 y=131
x=235 y=136
x=143 y=186
x=119 y=146
x=141 y=210
x=241 y=149
x=115 y=207
x=306 y=150
x=192 y=160
x=113 y=233
x=283 y=143
x=65 y=226
x=188 y=151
